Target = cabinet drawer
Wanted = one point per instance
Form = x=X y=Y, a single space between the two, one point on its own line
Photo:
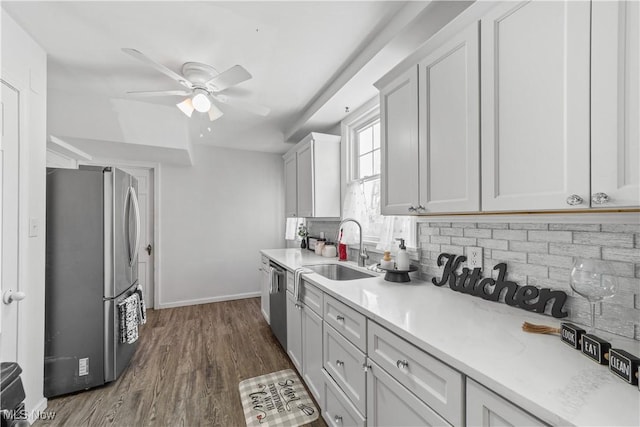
x=344 y=362
x=438 y=385
x=311 y=297
x=290 y=282
x=338 y=411
x=485 y=408
x=390 y=404
x=347 y=321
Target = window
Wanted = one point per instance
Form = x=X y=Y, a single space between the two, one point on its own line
x=362 y=195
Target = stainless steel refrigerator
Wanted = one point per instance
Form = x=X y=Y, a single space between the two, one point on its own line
x=93 y=236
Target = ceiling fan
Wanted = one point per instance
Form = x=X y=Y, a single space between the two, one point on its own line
x=203 y=87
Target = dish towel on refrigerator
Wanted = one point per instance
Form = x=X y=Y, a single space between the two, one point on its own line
x=128 y=313
x=297 y=276
x=142 y=307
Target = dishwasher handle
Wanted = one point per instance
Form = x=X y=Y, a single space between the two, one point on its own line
x=276 y=273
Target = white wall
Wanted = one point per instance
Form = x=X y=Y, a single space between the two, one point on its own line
x=24 y=66
x=214 y=218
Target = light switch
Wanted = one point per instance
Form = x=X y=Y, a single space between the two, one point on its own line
x=34 y=227
x=474 y=257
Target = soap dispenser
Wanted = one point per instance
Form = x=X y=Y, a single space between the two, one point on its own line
x=402 y=258
x=386 y=261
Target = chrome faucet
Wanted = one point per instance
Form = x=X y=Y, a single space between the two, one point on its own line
x=362 y=252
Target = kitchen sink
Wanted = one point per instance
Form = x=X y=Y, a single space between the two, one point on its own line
x=338 y=272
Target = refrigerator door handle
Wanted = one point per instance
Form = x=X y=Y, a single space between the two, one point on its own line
x=136 y=246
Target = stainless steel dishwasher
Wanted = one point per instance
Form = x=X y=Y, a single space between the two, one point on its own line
x=278 y=303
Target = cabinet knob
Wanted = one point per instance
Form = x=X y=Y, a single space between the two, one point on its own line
x=600 y=198
x=339 y=363
x=402 y=364
x=412 y=209
x=421 y=208
x=338 y=419
x=366 y=367
x=340 y=318
x=298 y=306
x=574 y=200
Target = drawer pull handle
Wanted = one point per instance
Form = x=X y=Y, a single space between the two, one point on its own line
x=402 y=364
x=339 y=363
x=340 y=318
x=338 y=419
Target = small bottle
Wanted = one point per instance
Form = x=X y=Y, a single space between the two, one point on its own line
x=402 y=259
x=342 y=248
x=387 y=262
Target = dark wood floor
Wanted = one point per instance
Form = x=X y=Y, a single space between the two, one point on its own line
x=185 y=371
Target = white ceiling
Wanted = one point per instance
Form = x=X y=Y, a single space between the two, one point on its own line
x=292 y=49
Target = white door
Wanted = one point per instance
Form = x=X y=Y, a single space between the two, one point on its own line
x=615 y=104
x=535 y=105
x=305 y=190
x=9 y=145
x=449 y=128
x=147 y=248
x=399 y=145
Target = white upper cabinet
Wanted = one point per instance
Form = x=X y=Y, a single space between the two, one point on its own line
x=615 y=113
x=535 y=105
x=290 y=185
x=399 y=145
x=448 y=129
x=312 y=177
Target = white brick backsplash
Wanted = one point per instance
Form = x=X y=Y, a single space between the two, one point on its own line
x=542 y=255
x=550 y=236
x=574 y=227
x=575 y=250
x=619 y=254
x=493 y=244
x=477 y=232
x=451 y=232
x=550 y=260
x=521 y=226
x=509 y=256
x=533 y=247
x=440 y=240
x=510 y=234
x=618 y=240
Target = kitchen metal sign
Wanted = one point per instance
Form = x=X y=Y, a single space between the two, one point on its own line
x=471 y=282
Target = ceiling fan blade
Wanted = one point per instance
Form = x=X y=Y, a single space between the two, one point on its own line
x=186 y=107
x=231 y=77
x=164 y=70
x=145 y=94
x=214 y=112
x=260 y=110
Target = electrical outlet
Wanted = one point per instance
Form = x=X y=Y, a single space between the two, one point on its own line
x=474 y=257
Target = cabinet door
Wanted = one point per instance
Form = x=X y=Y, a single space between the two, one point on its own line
x=485 y=408
x=265 y=285
x=305 y=181
x=312 y=352
x=449 y=128
x=390 y=404
x=290 y=186
x=399 y=145
x=535 y=105
x=615 y=95
x=294 y=332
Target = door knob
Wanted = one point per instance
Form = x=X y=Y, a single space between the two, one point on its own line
x=148 y=248
x=10 y=296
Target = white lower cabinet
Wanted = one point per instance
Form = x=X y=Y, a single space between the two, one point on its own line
x=485 y=408
x=265 y=287
x=337 y=410
x=391 y=404
x=312 y=352
x=294 y=331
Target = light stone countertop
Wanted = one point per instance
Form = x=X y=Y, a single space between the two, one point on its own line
x=484 y=341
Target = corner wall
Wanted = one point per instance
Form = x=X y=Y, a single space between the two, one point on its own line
x=215 y=217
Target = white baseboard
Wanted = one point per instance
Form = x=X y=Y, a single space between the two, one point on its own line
x=266 y=317
x=32 y=413
x=184 y=303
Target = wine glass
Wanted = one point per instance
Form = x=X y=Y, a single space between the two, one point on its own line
x=594 y=280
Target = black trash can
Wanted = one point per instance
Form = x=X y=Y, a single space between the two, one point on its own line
x=11 y=396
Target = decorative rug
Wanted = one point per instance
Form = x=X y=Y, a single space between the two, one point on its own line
x=276 y=399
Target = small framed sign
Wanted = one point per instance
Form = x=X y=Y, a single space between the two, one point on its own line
x=595 y=348
x=624 y=365
x=571 y=334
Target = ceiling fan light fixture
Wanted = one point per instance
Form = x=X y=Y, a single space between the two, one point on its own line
x=214 y=113
x=201 y=101
x=186 y=107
